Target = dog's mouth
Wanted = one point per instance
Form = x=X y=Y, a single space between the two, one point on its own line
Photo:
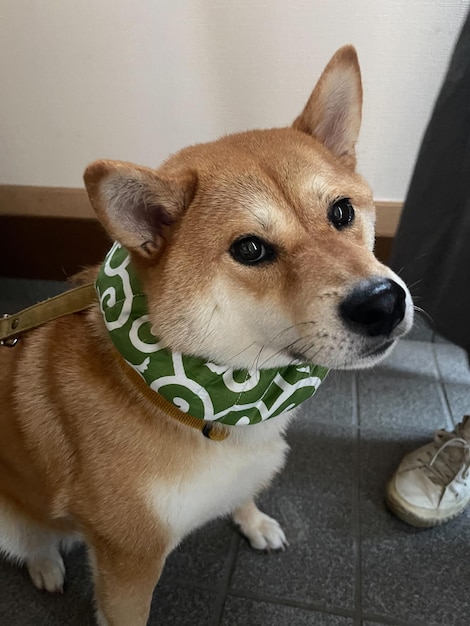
x=379 y=350
x=299 y=357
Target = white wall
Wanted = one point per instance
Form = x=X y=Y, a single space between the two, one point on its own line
x=136 y=80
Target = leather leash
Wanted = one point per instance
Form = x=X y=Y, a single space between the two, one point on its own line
x=78 y=299
x=72 y=301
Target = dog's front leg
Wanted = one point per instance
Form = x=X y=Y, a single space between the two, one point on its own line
x=124 y=584
x=263 y=532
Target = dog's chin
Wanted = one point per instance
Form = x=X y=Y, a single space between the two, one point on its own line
x=362 y=357
x=370 y=356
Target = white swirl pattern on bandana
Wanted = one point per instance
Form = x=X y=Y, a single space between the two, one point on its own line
x=202 y=389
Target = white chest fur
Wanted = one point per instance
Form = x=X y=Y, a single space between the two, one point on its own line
x=226 y=475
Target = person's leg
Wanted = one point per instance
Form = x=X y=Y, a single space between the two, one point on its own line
x=432 y=254
x=430 y=250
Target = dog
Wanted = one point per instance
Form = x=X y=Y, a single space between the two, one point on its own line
x=252 y=254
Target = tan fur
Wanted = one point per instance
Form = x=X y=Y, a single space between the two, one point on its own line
x=82 y=454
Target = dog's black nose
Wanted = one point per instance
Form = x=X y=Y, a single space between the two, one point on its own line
x=374 y=307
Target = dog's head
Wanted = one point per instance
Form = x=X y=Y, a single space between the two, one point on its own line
x=256 y=250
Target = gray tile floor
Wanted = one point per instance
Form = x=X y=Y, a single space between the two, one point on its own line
x=349 y=562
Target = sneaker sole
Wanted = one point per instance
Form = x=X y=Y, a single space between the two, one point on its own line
x=420 y=518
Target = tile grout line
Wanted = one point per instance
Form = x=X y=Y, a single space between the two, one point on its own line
x=356 y=502
x=385 y=620
x=289 y=602
x=442 y=391
x=359 y=616
x=224 y=586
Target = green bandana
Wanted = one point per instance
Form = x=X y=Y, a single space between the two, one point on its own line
x=201 y=389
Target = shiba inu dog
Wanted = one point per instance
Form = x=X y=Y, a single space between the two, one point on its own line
x=242 y=270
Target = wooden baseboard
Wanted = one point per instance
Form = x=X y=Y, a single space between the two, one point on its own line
x=25 y=200
x=388 y=218
x=52 y=232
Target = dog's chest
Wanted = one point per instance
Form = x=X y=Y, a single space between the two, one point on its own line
x=224 y=478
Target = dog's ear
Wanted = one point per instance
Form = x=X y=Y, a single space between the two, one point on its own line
x=135 y=205
x=333 y=111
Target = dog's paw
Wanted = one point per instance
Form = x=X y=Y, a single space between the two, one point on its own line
x=266 y=534
x=263 y=532
x=47 y=572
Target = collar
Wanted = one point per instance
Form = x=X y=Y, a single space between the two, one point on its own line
x=196 y=387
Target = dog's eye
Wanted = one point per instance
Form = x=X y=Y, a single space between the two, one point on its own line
x=251 y=250
x=341 y=213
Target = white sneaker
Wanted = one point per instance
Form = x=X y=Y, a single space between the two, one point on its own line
x=432 y=484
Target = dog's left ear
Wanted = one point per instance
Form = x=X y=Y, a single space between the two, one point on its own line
x=333 y=111
x=137 y=206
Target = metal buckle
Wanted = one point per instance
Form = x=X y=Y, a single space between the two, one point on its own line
x=12 y=341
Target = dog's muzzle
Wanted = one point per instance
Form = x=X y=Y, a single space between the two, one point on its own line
x=374 y=307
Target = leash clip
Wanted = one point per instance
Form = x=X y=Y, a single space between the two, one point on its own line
x=12 y=341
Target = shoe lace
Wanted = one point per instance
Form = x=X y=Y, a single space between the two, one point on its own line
x=454 y=465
